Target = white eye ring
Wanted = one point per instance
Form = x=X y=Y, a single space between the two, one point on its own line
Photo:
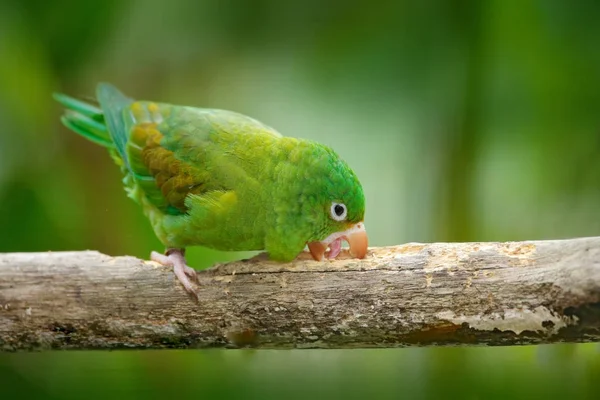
x=338 y=211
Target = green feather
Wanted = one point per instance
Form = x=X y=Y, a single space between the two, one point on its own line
x=85 y=119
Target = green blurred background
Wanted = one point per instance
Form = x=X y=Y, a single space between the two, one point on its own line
x=465 y=120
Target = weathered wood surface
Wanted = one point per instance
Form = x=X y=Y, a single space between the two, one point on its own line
x=413 y=294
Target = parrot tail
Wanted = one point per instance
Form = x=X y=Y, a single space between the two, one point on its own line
x=85 y=119
x=106 y=126
x=103 y=125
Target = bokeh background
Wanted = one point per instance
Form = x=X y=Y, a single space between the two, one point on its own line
x=465 y=120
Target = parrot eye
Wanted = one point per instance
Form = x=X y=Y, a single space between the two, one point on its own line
x=338 y=211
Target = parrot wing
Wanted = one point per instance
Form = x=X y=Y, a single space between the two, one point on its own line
x=172 y=152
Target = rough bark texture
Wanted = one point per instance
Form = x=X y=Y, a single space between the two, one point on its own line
x=414 y=294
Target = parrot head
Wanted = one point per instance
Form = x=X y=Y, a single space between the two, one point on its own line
x=339 y=211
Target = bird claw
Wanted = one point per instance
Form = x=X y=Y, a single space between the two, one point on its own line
x=191 y=272
x=176 y=259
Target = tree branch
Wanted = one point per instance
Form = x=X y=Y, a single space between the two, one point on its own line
x=414 y=294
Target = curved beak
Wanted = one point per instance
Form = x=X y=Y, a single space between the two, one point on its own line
x=317 y=250
x=356 y=236
x=359 y=242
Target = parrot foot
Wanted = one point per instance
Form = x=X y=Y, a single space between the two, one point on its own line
x=175 y=258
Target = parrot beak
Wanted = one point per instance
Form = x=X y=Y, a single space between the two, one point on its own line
x=358 y=241
x=317 y=250
x=356 y=236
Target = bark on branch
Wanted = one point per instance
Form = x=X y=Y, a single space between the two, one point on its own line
x=413 y=294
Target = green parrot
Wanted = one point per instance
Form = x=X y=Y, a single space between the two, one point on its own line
x=219 y=179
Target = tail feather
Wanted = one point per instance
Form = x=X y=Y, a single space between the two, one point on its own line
x=103 y=125
x=81 y=107
x=108 y=126
x=85 y=119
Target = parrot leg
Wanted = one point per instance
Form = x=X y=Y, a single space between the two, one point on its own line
x=176 y=259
